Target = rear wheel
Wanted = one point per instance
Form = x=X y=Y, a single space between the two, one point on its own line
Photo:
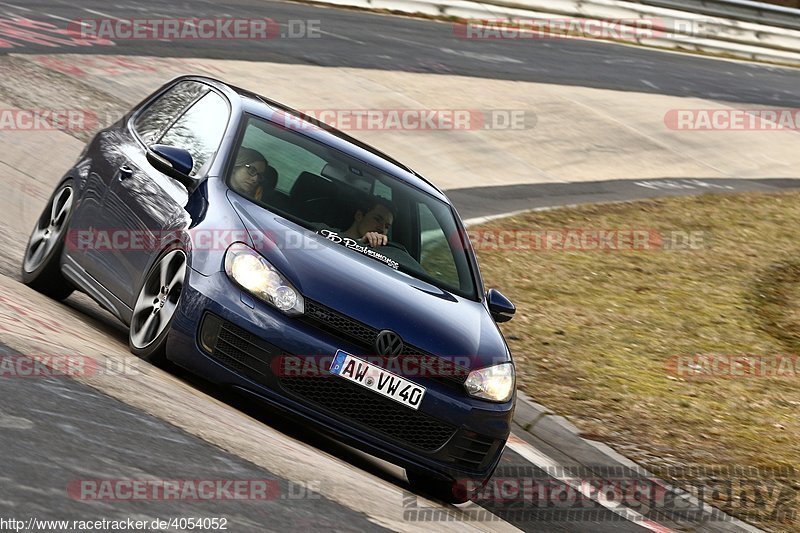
x=41 y=269
x=156 y=306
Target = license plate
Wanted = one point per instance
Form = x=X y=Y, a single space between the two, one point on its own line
x=377 y=380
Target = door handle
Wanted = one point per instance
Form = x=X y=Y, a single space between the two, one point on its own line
x=125 y=172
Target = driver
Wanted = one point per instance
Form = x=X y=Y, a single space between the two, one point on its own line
x=372 y=222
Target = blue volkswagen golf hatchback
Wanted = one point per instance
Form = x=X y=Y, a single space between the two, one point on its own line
x=265 y=251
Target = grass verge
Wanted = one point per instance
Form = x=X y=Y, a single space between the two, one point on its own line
x=598 y=335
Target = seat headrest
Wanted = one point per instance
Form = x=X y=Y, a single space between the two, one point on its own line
x=309 y=186
x=353 y=177
x=270 y=179
x=330 y=171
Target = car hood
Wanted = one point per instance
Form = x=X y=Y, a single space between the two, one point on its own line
x=370 y=292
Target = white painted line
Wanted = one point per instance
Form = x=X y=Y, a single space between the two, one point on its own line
x=16 y=7
x=482 y=220
x=94 y=12
x=65 y=19
x=491 y=58
x=650 y=84
x=552 y=467
x=407 y=41
x=342 y=37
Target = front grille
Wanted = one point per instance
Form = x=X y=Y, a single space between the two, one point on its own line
x=385 y=416
x=340 y=324
x=355 y=331
x=242 y=351
x=471 y=449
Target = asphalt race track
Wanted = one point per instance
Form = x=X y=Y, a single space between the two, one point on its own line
x=357 y=39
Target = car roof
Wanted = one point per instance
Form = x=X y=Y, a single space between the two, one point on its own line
x=270 y=110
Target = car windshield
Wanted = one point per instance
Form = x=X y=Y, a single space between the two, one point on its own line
x=344 y=199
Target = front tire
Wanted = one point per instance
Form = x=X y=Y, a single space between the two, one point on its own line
x=41 y=268
x=156 y=306
x=448 y=491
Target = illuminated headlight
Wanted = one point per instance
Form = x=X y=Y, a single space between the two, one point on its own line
x=495 y=383
x=248 y=269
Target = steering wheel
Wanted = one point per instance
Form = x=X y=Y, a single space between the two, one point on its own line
x=393 y=244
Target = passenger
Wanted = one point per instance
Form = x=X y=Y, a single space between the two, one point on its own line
x=250 y=174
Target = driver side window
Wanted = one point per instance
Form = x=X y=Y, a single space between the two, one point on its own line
x=159 y=114
x=189 y=115
x=200 y=129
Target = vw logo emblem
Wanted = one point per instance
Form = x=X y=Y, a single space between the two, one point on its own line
x=388 y=343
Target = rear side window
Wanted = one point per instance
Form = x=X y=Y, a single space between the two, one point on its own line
x=152 y=122
x=200 y=129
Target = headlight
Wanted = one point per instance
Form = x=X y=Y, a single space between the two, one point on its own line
x=495 y=383
x=248 y=269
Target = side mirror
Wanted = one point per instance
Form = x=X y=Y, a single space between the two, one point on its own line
x=174 y=162
x=500 y=307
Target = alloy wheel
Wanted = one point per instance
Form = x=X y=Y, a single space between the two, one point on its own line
x=158 y=299
x=48 y=229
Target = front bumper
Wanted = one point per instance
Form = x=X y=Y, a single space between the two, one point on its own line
x=451 y=435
